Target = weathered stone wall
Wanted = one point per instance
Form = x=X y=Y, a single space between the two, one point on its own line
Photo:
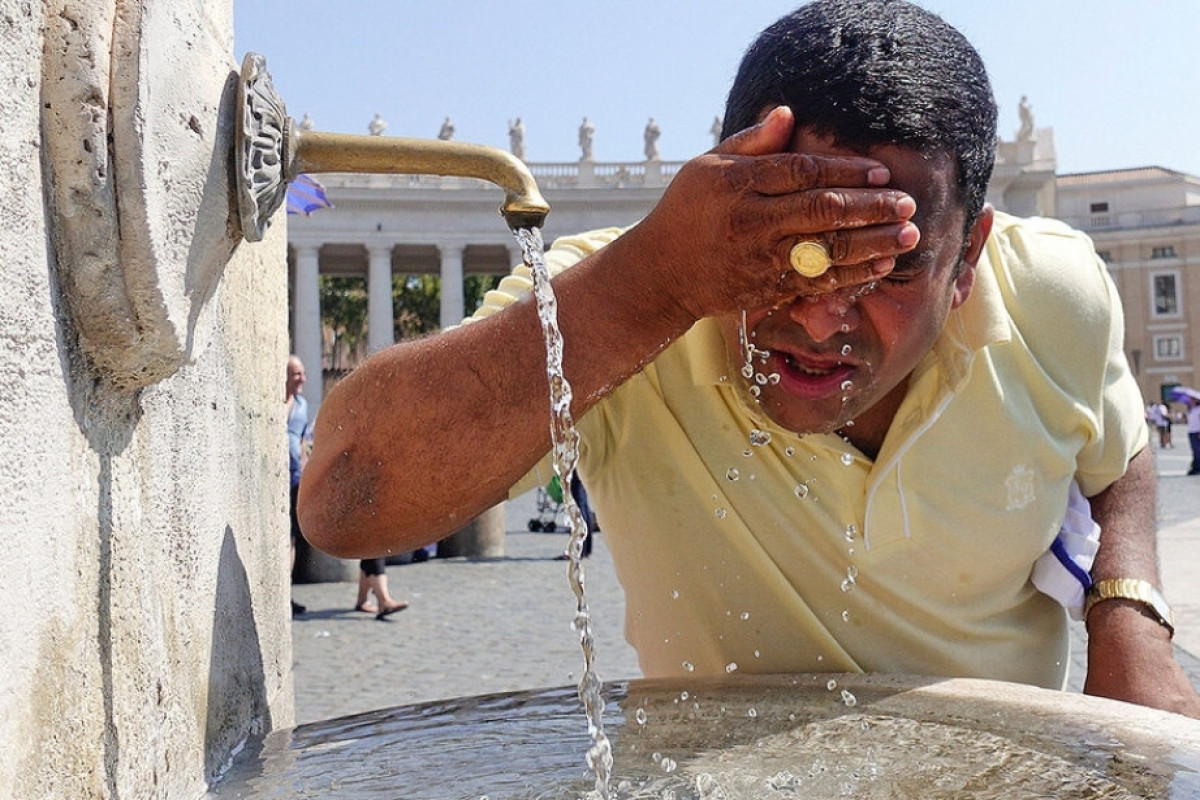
x=143 y=556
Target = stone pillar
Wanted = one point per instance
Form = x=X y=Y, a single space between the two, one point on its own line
x=381 y=327
x=587 y=174
x=482 y=537
x=306 y=322
x=452 y=284
x=514 y=255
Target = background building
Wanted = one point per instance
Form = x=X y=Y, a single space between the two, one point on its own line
x=1146 y=226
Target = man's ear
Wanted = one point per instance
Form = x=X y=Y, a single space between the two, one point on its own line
x=975 y=243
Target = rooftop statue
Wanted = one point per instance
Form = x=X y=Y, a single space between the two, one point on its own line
x=587 y=132
x=651 y=140
x=516 y=138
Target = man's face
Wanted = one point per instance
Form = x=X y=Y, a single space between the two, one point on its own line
x=844 y=357
x=295 y=377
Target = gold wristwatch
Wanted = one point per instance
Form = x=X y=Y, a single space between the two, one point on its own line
x=1138 y=591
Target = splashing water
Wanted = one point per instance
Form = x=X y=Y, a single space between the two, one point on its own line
x=565 y=444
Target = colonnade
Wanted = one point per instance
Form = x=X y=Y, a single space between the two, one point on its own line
x=380 y=258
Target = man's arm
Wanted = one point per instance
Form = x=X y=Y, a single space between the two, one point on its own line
x=1130 y=656
x=427 y=434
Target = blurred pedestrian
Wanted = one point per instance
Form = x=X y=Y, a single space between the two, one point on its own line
x=299 y=431
x=372 y=577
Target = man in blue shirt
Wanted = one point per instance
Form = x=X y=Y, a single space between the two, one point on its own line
x=299 y=443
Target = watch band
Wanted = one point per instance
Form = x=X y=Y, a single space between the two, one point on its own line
x=1136 y=590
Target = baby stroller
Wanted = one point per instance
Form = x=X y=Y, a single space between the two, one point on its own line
x=549 y=506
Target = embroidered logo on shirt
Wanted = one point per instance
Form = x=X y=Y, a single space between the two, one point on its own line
x=1020 y=487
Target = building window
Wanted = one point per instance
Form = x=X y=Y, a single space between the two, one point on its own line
x=1166 y=294
x=1168 y=348
x=1099 y=208
x=1166 y=251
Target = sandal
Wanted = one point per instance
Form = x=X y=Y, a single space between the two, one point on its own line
x=366 y=608
x=384 y=613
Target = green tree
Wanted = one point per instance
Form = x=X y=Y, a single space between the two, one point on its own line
x=416 y=301
x=344 y=313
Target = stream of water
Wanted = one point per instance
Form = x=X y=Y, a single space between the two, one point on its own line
x=565 y=443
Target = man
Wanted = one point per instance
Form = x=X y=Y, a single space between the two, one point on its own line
x=1193 y=429
x=299 y=443
x=848 y=470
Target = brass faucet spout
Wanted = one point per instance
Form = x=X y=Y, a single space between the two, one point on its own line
x=316 y=151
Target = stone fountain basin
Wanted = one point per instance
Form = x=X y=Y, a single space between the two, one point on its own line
x=787 y=736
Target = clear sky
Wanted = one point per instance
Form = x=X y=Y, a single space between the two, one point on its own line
x=1118 y=80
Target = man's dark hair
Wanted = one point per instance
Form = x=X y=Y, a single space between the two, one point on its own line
x=874 y=72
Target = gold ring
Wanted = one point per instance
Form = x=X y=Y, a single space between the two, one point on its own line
x=810 y=258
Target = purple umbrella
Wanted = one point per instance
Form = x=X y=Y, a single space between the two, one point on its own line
x=305 y=195
x=1182 y=393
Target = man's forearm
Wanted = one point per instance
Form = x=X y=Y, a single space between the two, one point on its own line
x=1130 y=656
x=427 y=434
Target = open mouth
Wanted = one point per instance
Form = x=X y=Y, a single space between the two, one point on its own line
x=812 y=378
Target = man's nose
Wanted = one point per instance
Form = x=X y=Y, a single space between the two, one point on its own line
x=825 y=315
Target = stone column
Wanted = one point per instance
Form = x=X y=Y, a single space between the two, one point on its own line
x=481 y=538
x=306 y=322
x=380 y=316
x=452 y=283
x=514 y=255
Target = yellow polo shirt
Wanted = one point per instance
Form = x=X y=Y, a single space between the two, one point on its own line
x=801 y=554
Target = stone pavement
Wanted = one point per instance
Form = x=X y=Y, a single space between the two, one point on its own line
x=475 y=627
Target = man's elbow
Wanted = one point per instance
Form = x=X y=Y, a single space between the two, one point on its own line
x=329 y=517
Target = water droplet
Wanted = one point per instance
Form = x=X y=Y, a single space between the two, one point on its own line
x=851 y=533
x=689 y=666
x=851 y=572
x=720 y=512
x=845 y=328
x=831 y=684
x=847 y=458
x=759 y=438
x=849 y=699
x=820 y=659
x=789 y=452
x=640 y=716
x=732 y=474
x=656 y=757
x=674 y=594
x=747 y=371
x=757 y=654
x=847 y=585
x=846 y=615
x=747 y=453
x=731 y=667
x=668 y=765
x=801 y=490
x=745 y=615
x=847 y=385
x=846 y=349
x=752 y=713
x=755 y=391
x=774 y=378
x=760 y=379
x=849 y=424
x=684 y=695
